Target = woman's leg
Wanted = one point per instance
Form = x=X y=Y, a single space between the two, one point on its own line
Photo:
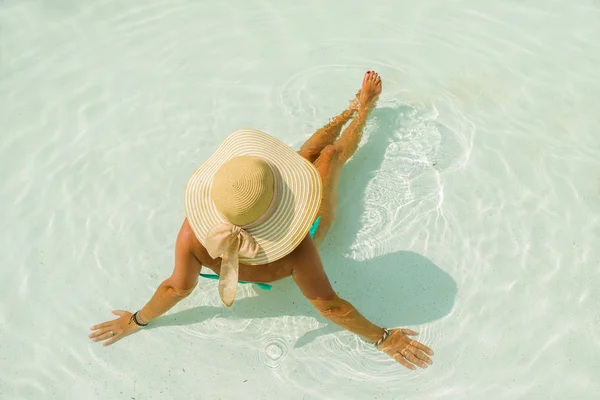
x=325 y=136
x=334 y=156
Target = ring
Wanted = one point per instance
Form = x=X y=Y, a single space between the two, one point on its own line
x=405 y=352
x=112 y=333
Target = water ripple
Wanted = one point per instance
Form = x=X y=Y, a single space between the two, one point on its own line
x=272 y=352
x=482 y=156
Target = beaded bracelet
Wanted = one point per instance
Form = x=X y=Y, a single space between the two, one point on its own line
x=135 y=320
x=386 y=333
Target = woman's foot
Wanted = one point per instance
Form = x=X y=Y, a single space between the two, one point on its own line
x=371 y=87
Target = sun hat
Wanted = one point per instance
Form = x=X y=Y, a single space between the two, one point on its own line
x=253 y=201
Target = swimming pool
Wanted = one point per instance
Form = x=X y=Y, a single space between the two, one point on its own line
x=471 y=212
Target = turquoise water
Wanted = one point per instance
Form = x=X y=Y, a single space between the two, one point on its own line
x=471 y=212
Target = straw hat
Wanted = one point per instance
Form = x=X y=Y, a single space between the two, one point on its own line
x=253 y=201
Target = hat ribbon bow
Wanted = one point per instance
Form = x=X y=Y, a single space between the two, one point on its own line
x=229 y=241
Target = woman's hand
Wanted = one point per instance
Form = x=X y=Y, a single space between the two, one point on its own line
x=405 y=350
x=115 y=329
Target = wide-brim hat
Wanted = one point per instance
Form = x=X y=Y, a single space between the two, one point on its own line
x=289 y=220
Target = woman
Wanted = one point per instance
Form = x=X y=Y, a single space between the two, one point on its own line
x=256 y=211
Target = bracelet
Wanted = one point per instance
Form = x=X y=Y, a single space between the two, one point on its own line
x=386 y=333
x=135 y=319
x=139 y=319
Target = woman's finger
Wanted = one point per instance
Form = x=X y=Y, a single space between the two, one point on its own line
x=420 y=354
x=422 y=347
x=409 y=332
x=102 y=325
x=112 y=340
x=400 y=358
x=98 y=333
x=104 y=336
x=413 y=359
x=119 y=312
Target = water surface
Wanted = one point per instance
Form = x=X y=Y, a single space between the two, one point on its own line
x=471 y=212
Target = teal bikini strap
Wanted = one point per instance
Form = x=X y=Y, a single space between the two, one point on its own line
x=314 y=227
x=264 y=286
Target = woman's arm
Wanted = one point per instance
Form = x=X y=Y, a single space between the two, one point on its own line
x=178 y=286
x=309 y=275
x=165 y=297
x=182 y=281
x=312 y=280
